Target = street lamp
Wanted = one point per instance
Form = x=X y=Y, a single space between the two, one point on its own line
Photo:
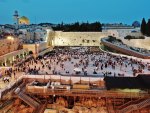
x=10 y=38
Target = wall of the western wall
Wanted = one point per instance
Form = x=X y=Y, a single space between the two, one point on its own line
x=138 y=43
x=59 y=38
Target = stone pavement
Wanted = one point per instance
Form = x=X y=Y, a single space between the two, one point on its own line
x=11 y=80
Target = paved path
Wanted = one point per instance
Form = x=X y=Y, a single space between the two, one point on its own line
x=11 y=80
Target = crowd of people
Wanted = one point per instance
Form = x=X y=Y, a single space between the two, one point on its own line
x=81 y=61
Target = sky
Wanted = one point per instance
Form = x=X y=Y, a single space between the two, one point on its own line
x=69 y=11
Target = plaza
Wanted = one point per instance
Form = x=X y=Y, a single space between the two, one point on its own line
x=73 y=68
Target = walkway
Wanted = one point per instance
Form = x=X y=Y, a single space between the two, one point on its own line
x=11 y=81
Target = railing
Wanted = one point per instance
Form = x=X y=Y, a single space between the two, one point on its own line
x=6 y=104
x=10 y=86
x=125 y=50
x=128 y=103
x=72 y=91
x=110 y=107
x=143 y=104
x=135 y=106
x=13 y=84
x=98 y=93
x=28 y=100
x=41 y=108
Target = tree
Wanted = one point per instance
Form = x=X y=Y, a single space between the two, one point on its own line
x=79 y=27
x=148 y=28
x=143 y=26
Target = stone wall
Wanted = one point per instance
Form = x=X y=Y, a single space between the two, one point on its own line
x=7 y=46
x=123 y=50
x=59 y=38
x=50 y=38
x=36 y=48
x=141 y=43
x=30 y=47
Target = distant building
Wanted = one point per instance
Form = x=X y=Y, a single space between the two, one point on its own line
x=116 y=26
x=24 y=20
x=136 y=24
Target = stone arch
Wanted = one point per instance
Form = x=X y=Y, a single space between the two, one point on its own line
x=21 y=55
x=17 y=56
x=8 y=62
x=30 y=52
x=25 y=54
x=1 y=63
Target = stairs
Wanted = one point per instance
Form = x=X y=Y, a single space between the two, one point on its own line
x=28 y=100
x=41 y=108
x=132 y=107
x=131 y=102
x=110 y=107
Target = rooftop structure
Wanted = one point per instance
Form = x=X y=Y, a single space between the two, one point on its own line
x=24 y=20
x=116 y=26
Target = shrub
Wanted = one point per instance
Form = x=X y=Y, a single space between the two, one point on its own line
x=133 y=37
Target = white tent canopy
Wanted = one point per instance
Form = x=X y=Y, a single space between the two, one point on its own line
x=77 y=69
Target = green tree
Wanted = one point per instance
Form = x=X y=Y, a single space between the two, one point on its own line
x=148 y=28
x=143 y=26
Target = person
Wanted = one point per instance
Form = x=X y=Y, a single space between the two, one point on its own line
x=85 y=73
x=114 y=74
x=14 y=75
x=94 y=72
x=6 y=79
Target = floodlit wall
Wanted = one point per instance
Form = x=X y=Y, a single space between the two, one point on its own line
x=7 y=46
x=30 y=47
x=50 y=38
x=36 y=48
x=42 y=46
x=124 y=50
x=141 y=43
x=60 y=38
x=124 y=32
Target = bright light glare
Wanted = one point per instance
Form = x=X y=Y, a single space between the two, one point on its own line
x=10 y=38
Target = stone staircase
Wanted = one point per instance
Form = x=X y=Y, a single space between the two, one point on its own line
x=137 y=106
x=27 y=99
x=131 y=102
x=110 y=107
x=41 y=108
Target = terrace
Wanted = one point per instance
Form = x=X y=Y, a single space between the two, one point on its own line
x=118 y=45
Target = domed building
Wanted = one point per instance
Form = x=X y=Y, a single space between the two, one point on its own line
x=24 y=20
x=136 y=24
